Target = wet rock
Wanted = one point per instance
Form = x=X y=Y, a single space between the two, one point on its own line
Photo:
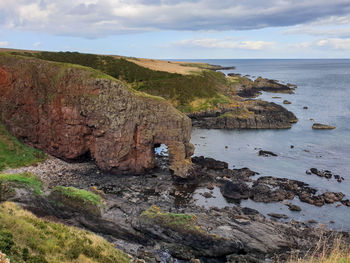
x=346 y=202
x=331 y=197
x=292 y=146
x=209 y=163
x=305 y=107
x=235 y=190
x=326 y=174
x=266 y=153
x=286 y=102
x=319 y=126
x=312 y=221
x=292 y=207
x=279 y=216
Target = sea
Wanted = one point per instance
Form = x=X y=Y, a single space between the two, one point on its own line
x=323 y=85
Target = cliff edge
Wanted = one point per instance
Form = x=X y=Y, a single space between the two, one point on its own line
x=72 y=111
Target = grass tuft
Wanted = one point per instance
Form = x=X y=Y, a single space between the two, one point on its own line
x=177 y=222
x=14 y=154
x=27 y=180
x=328 y=250
x=79 y=195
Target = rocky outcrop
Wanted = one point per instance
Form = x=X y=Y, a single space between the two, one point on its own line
x=71 y=112
x=248 y=88
x=262 y=115
x=320 y=126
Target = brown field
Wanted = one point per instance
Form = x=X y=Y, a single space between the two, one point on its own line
x=184 y=68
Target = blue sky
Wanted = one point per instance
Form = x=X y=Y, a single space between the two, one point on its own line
x=175 y=29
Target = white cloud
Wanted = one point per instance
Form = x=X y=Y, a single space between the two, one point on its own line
x=340 y=44
x=4 y=43
x=95 y=18
x=335 y=43
x=36 y=44
x=224 y=44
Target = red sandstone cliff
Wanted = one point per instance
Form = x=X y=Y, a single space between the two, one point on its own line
x=68 y=111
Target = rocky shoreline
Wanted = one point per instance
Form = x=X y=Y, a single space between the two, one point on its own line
x=264 y=115
x=139 y=213
x=248 y=88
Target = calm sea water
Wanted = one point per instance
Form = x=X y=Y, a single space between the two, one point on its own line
x=324 y=87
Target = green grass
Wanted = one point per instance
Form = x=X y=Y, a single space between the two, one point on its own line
x=79 y=195
x=179 y=89
x=14 y=154
x=27 y=180
x=177 y=222
x=26 y=238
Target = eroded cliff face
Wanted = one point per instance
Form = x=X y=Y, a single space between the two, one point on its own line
x=70 y=111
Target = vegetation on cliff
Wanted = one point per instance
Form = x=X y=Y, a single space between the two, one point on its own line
x=79 y=195
x=203 y=85
x=26 y=238
x=326 y=251
x=27 y=180
x=177 y=222
x=14 y=154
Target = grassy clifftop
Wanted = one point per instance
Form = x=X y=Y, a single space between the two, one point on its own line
x=203 y=88
x=26 y=238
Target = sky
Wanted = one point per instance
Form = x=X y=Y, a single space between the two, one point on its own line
x=177 y=29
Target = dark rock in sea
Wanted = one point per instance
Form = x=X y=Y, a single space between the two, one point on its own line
x=319 y=126
x=292 y=207
x=286 y=102
x=346 y=202
x=312 y=221
x=279 y=216
x=266 y=153
x=248 y=88
x=292 y=146
x=209 y=163
x=305 y=107
x=262 y=115
x=276 y=97
x=326 y=174
x=235 y=190
x=330 y=197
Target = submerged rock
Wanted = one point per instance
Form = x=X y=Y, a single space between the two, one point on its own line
x=286 y=102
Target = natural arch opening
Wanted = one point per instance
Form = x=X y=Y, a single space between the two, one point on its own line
x=161 y=156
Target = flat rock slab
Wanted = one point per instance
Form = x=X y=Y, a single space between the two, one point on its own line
x=320 y=126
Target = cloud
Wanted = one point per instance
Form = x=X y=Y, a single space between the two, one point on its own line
x=341 y=32
x=337 y=44
x=36 y=44
x=4 y=43
x=97 y=18
x=223 y=44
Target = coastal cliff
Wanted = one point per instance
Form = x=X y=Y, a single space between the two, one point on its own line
x=71 y=112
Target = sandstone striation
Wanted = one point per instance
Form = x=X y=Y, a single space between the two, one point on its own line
x=71 y=111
